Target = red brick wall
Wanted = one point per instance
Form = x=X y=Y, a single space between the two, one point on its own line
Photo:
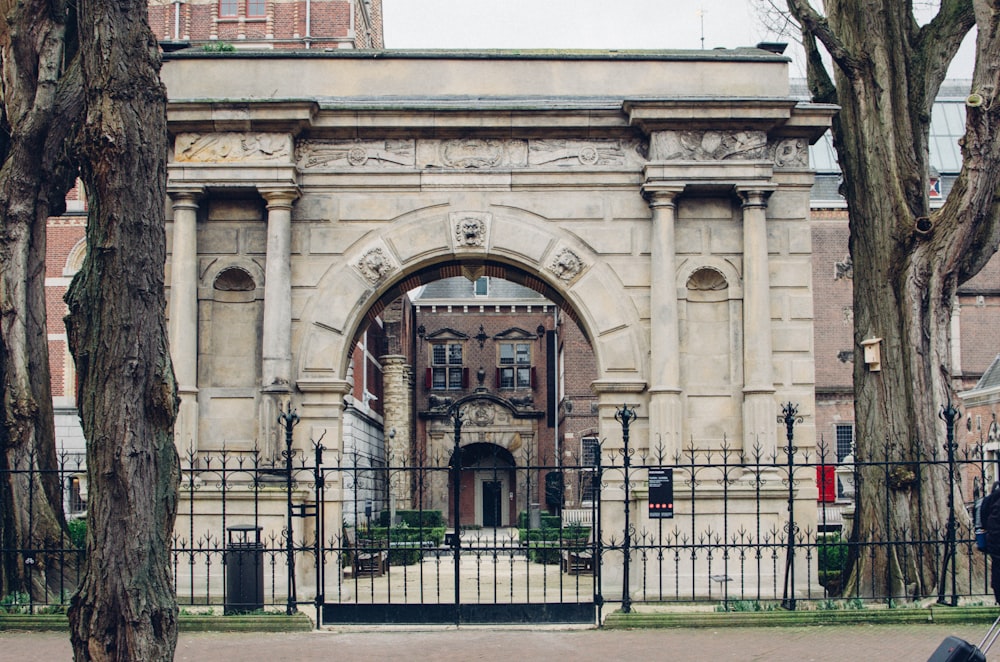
x=64 y=233
x=283 y=26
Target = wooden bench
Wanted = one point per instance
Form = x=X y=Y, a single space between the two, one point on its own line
x=578 y=555
x=366 y=557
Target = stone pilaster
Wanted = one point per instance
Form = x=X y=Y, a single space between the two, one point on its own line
x=665 y=408
x=759 y=408
x=276 y=366
x=183 y=327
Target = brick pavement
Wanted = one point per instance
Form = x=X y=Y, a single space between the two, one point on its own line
x=883 y=643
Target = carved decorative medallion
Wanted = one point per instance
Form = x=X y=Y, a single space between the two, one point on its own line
x=791 y=153
x=354 y=153
x=375 y=265
x=481 y=413
x=470 y=228
x=566 y=265
x=229 y=147
x=709 y=145
x=472 y=153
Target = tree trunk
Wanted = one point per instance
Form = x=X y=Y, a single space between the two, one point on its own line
x=37 y=118
x=125 y=608
x=908 y=263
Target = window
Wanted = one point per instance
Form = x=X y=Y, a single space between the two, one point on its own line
x=481 y=287
x=590 y=449
x=256 y=7
x=845 y=441
x=231 y=8
x=447 y=372
x=515 y=365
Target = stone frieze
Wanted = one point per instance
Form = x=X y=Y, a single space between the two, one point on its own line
x=355 y=153
x=708 y=145
x=231 y=147
x=575 y=153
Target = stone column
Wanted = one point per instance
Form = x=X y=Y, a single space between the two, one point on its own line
x=276 y=354
x=665 y=410
x=183 y=329
x=397 y=388
x=760 y=412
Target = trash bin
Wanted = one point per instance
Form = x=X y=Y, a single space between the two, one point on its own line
x=244 y=561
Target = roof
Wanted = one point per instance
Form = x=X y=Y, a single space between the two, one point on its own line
x=947 y=128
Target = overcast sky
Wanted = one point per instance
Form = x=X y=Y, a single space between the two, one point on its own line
x=598 y=24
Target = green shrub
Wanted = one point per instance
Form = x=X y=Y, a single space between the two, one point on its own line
x=831 y=559
x=574 y=532
x=547 y=521
x=218 y=47
x=77 y=532
x=15 y=603
x=414 y=518
x=409 y=542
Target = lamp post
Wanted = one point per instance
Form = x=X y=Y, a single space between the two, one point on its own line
x=625 y=416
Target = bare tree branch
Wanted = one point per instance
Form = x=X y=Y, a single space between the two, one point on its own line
x=937 y=43
x=816 y=24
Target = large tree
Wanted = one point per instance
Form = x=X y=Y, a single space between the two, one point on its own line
x=40 y=89
x=125 y=608
x=82 y=95
x=908 y=259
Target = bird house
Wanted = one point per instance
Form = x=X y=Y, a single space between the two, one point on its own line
x=873 y=353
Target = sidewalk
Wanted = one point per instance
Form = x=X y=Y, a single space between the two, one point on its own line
x=882 y=643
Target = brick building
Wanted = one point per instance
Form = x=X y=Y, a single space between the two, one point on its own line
x=267 y=24
x=521 y=371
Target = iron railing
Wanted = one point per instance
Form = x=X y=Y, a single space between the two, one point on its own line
x=741 y=532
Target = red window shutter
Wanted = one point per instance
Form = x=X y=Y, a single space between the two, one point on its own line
x=428 y=379
x=498 y=378
x=465 y=378
x=534 y=377
x=826 y=483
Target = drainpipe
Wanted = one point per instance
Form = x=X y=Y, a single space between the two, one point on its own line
x=177 y=19
x=308 y=23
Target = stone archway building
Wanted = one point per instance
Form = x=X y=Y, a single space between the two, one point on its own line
x=661 y=199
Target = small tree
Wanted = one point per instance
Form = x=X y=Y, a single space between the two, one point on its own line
x=908 y=259
x=40 y=103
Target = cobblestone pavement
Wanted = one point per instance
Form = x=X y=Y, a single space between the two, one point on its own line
x=885 y=643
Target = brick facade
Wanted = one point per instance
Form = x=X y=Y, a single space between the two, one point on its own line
x=284 y=24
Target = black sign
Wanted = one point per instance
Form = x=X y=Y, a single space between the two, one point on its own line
x=661 y=493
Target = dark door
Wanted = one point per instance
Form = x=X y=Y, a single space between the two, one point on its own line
x=491 y=503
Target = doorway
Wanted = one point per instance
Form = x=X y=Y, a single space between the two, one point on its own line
x=492 y=491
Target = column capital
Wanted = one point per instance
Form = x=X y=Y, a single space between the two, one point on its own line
x=661 y=195
x=755 y=195
x=185 y=195
x=279 y=196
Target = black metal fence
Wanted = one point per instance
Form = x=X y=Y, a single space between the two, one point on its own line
x=744 y=530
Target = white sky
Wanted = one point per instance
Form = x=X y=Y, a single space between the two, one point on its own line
x=595 y=24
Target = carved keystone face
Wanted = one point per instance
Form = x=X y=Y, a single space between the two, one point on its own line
x=469 y=231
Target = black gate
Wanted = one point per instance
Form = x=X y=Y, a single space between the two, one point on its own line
x=486 y=557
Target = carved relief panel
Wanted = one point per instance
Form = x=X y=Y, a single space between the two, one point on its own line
x=232 y=147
